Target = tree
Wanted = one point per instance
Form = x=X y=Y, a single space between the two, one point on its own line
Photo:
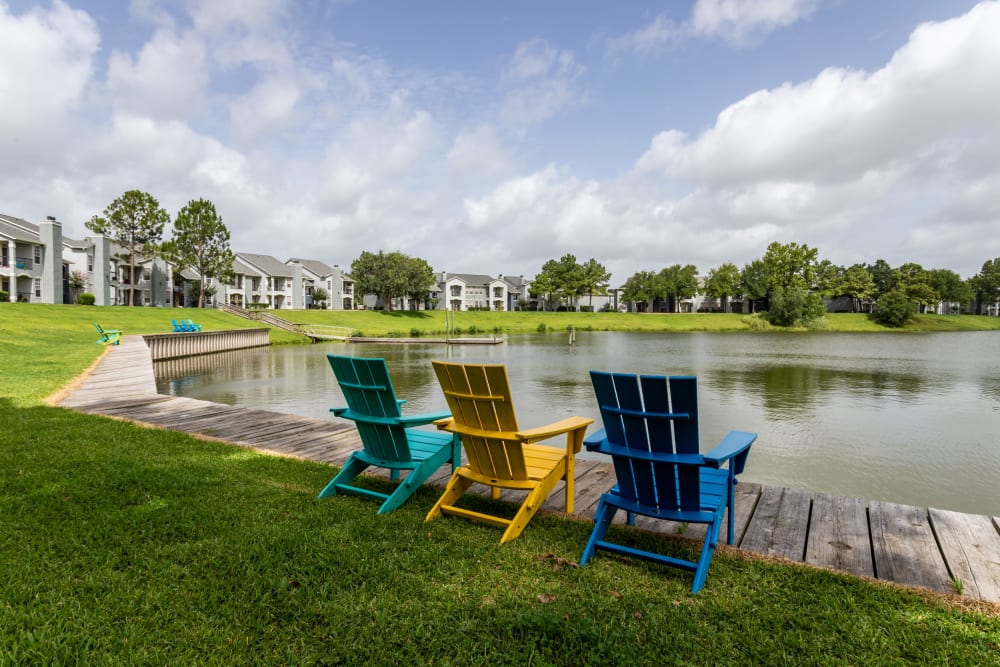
x=563 y=278
x=201 y=243
x=678 y=282
x=794 y=306
x=949 y=286
x=320 y=296
x=882 y=276
x=133 y=220
x=391 y=275
x=76 y=283
x=912 y=280
x=828 y=278
x=754 y=283
x=722 y=283
x=790 y=264
x=418 y=278
x=893 y=309
x=858 y=284
x=595 y=279
x=987 y=284
x=643 y=286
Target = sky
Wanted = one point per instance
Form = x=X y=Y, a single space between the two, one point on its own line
x=490 y=137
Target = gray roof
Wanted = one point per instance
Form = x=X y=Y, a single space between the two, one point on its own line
x=18 y=229
x=266 y=264
x=314 y=266
x=244 y=269
x=514 y=283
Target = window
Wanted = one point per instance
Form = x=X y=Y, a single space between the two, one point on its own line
x=38 y=287
x=38 y=255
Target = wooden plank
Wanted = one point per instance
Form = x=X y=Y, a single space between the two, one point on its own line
x=971 y=548
x=904 y=547
x=779 y=524
x=838 y=535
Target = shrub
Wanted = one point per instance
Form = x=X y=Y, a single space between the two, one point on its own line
x=86 y=299
x=473 y=330
x=4 y=296
x=416 y=333
x=795 y=306
x=541 y=328
x=893 y=309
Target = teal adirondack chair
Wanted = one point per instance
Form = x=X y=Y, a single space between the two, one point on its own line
x=109 y=336
x=190 y=326
x=651 y=434
x=388 y=438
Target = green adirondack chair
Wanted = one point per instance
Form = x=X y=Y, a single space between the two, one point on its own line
x=389 y=439
x=108 y=336
x=651 y=434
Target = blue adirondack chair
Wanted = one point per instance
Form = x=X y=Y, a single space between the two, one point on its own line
x=191 y=326
x=651 y=434
x=178 y=328
x=388 y=438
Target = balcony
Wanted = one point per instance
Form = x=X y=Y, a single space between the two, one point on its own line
x=19 y=263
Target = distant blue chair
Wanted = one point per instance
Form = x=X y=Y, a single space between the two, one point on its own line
x=178 y=328
x=388 y=438
x=191 y=326
x=651 y=434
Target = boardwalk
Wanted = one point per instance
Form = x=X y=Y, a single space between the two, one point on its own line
x=904 y=544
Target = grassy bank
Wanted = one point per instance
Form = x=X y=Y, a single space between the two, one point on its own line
x=432 y=323
x=126 y=545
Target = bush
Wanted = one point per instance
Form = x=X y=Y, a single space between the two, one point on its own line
x=86 y=299
x=893 y=309
x=416 y=333
x=541 y=328
x=795 y=306
x=4 y=296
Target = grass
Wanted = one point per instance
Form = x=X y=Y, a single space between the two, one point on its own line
x=126 y=545
x=432 y=323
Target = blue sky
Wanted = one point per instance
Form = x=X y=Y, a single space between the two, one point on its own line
x=489 y=137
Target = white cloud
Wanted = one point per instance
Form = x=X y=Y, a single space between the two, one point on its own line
x=734 y=21
x=46 y=65
x=167 y=79
x=541 y=81
x=738 y=20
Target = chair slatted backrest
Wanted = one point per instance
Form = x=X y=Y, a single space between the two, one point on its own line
x=479 y=399
x=653 y=415
x=368 y=390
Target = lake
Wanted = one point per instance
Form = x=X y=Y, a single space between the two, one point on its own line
x=903 y=417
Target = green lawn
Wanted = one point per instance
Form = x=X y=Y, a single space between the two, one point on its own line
x=432 y=323
x=126 y=545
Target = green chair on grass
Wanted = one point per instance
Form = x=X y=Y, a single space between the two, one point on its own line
x=388 y=438
x=108 y=336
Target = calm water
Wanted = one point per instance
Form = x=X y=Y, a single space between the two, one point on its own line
x=909 y=418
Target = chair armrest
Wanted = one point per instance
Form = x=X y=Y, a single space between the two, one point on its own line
x=405 y=422
x=595 y=439
x=420 y=420
x=736 y=445
x=452 y=426
x=556 y=428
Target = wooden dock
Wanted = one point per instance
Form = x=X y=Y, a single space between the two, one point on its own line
x=909 y=545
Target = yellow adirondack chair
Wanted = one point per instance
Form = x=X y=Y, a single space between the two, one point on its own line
x=500 y=455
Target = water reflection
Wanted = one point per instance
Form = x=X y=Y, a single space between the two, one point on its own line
x=905 y=418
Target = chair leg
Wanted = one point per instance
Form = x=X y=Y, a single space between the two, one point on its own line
x=602 y=519
x=457 y=486
x=417 y=476
x=707 y=551
x=351 y=469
